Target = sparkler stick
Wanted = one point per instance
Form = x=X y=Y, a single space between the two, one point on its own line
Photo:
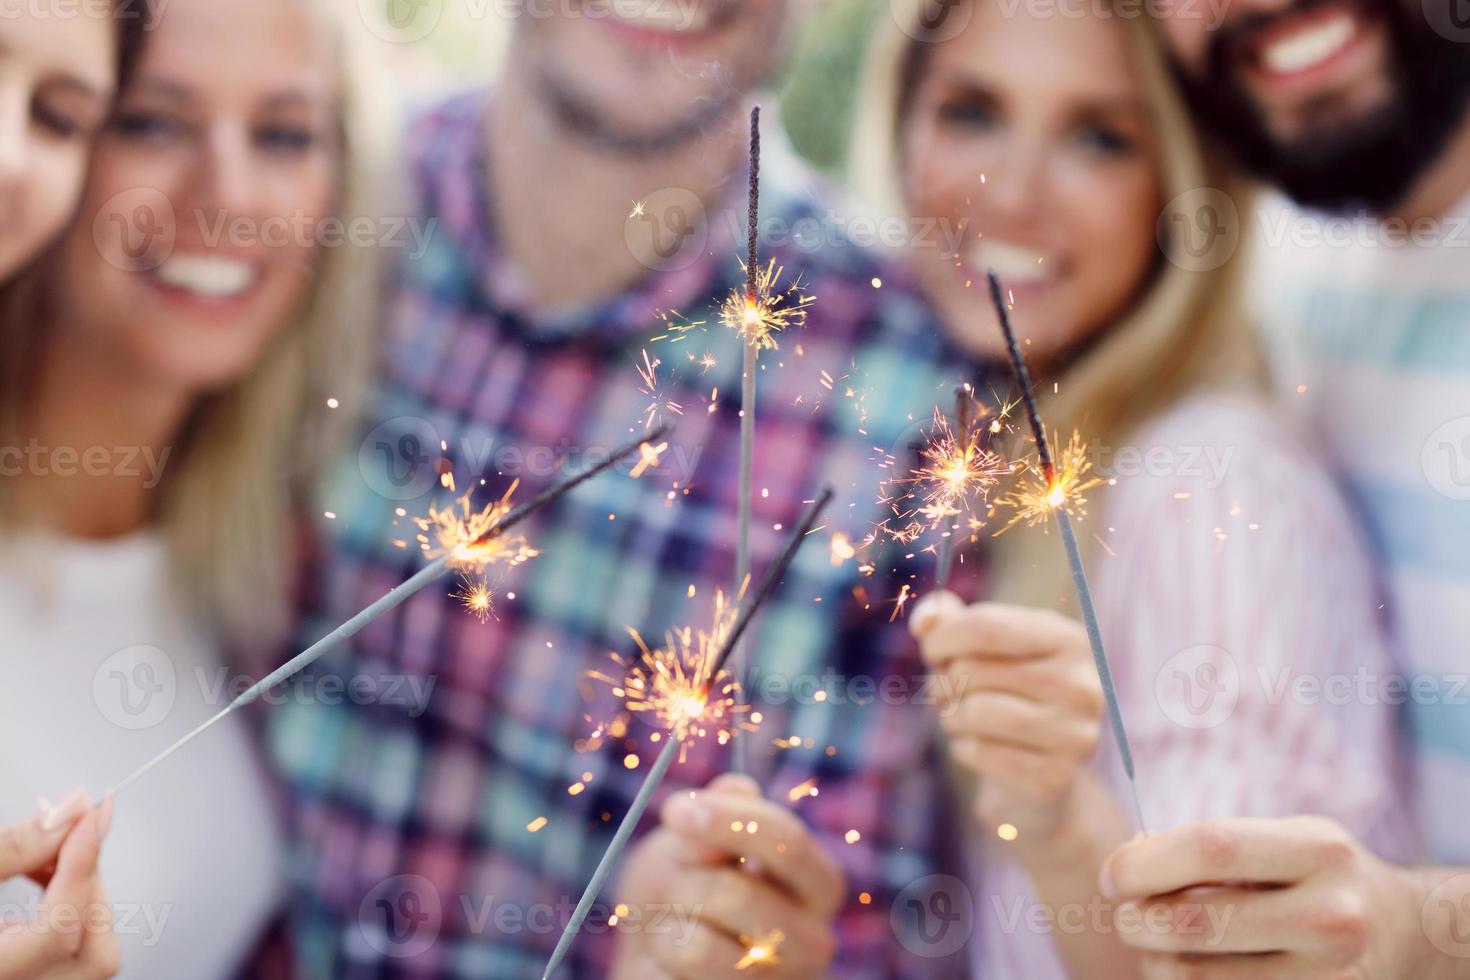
x=947 y=543
x=749 y=361
x=1069 y=539
x=666 y=758
x=394 y=598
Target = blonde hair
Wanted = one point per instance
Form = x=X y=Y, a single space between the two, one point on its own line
x=1185 y=333
x=229 y=504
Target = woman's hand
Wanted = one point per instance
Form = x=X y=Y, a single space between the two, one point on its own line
x=70 y=935
x=1021 y=703
x=725 y=864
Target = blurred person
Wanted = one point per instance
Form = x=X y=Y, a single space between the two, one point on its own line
x=58 y=73
x=1055 y=142
x=1359 y=112
x=599 y=184
x=163 y=391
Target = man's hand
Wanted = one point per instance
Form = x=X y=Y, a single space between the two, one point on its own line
x=725 y=868
x=1022 y=705
x=1265 y=900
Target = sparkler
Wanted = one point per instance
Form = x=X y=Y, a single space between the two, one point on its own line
x=955 y=467
x=457 y=550
x=673 y=748
x=1057 y=502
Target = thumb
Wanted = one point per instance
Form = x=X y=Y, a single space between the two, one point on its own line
x=737 y=784
x=929 y=610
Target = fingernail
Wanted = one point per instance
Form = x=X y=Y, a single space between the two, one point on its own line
x=43 y=805
x=104 y=819
x=66 y=811
x=689 y=813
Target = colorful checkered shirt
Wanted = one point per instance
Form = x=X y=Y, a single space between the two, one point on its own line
x=410 y=814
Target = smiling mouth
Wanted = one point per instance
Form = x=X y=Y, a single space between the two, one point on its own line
x=669 y=18
x=207 y=277
x=1299 y=44
x=1017 y=265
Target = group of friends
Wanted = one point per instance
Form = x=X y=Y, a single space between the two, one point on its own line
x=1279 y=414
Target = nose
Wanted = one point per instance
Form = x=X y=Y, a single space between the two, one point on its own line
x=225 y=181
x=1014 y=182
x=14 y=133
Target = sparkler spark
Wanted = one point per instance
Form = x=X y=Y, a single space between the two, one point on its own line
x=761 y=950
x=759 y=316
x=659 y=403
x=463 y=533
x=476 y=596
x=954 y=469
x=681 y=686
x=1040 y=494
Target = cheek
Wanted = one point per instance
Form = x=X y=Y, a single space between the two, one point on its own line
x=1186 y=32
x=1116 y=239
x=53 y=192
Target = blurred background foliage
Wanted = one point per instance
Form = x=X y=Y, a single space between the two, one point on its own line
x=464 y=50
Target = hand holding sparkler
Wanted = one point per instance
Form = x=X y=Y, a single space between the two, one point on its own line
x=756 y=892
x=1022 y=705
x=1058 y=497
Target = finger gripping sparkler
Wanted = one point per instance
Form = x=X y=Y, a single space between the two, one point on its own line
x=1069 y=539
x=393 y=599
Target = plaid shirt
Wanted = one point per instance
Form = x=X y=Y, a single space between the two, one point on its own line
x=409 y=813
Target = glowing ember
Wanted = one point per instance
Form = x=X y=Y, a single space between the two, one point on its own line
x=659 y=404
x=773 y=308
x=477 y=598
x=953 y=471
x=761 y=950
x=465 y=535
x=673 y=685
x=1037 y=497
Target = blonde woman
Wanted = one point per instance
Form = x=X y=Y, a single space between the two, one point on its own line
x=1225 y=565
x=166 y=389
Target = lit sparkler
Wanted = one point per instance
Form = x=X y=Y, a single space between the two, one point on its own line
x=462 y=533
x=1057 y=501
x=1038 y=496
x=761 y=950
x=430 y=573
x=672 y=747
x=476 y=596
x=677 y=687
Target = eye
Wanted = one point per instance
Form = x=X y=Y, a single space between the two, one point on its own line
x=972 y=110
x=57 y=121
x=144 y=124
x=1106 y=140
x=280 y=138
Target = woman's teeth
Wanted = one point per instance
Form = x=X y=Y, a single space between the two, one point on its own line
x=210 y=277
x=1014 y=264
x=1311 y=45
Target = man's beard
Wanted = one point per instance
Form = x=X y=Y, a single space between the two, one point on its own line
x=580 y=115
x=1372 y=161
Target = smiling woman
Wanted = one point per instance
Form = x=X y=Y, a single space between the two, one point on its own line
x=59 y=66
x=203 y=312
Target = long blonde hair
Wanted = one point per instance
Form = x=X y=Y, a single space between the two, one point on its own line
x=1185 y=333
x=232 y=497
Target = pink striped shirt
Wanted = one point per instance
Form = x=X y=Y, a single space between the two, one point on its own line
x=1244 y=629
